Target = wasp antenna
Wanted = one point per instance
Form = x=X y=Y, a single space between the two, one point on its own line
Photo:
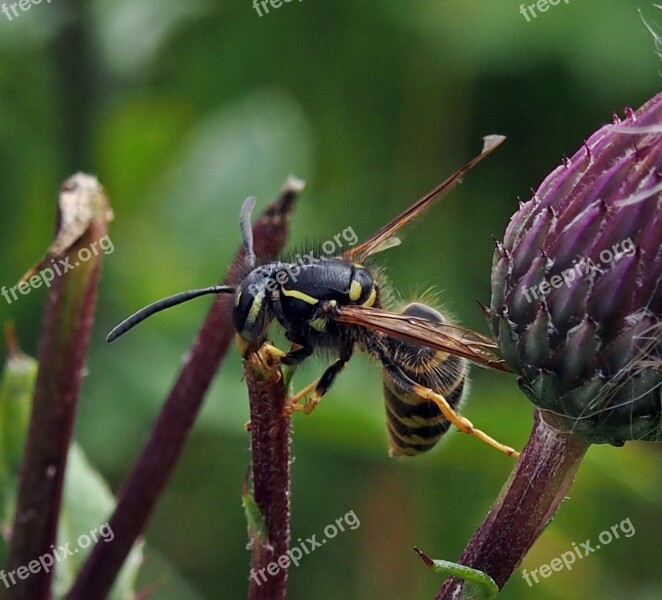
x=159 y=305
x=247 y=230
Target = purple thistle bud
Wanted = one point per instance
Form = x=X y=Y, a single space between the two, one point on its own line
x=577 y=285
x=576 y=308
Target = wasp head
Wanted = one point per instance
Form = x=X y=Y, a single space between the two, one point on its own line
x=252 y=313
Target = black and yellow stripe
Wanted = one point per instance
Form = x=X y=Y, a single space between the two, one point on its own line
x=416 y=424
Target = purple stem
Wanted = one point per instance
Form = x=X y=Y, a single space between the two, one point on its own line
x=270 y=444
x=144 y=485
x=68 y=318
x=526 y=504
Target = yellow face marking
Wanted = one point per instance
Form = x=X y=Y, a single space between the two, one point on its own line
x=355 y=290
x=370 y=300
x=299 y=296
x=255 y=309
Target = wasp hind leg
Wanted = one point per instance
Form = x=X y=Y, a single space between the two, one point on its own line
x=317 y=388
x=462 y=423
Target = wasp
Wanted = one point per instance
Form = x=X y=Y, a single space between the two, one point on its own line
x=336 y=304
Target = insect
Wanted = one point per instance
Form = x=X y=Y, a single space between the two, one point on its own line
x=336 y=304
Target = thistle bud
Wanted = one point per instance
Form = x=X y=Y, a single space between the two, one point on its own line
x=577 y=285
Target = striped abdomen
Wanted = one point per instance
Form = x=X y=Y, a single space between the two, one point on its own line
x=415 y=424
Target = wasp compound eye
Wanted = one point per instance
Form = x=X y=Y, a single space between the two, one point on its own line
x=247 y=310
x=252 y=314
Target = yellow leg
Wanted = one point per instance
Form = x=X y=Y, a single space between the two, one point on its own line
x=311 y=404
x=293 y=401
x=270 y=356
x=303 y=393
x=462 y=423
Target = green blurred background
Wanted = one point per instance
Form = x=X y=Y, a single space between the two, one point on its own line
x=184 y=109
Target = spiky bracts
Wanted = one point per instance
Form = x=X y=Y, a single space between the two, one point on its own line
x=577 y=285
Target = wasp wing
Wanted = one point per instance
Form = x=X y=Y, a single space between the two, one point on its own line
x=381 y=240
x=458 y=341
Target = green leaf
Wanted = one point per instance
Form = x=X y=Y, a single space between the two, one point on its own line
x=16 y=389
x=257 y=528
x=87 y=499
x=478 y=585
x=88 y=502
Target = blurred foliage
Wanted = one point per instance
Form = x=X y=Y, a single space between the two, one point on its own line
x=184 y=109
x=86 y=498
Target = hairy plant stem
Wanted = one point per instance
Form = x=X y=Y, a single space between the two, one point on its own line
x=270 y=445
x=83 y=215
x=526 y=504
x=144 y=485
